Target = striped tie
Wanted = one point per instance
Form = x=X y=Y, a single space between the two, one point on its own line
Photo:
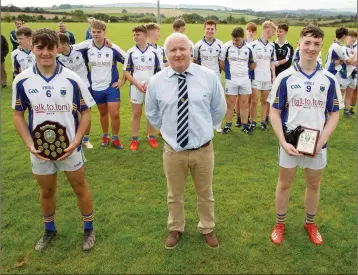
x=183 y=112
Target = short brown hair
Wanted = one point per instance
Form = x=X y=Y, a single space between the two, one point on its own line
x=237 y=32
x=64 y=39
x=251 y=26
x=152 y=27
x=99 y=25
x=26 y=31
x=352 y=33
x=140 y=28
x=210 y=22
x=268 y=24
x=282 y=26
x=178 y=23
x=48 y=38
x=311 y=30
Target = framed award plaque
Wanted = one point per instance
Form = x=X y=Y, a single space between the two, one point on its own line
x=51 y=139
x=307 y=141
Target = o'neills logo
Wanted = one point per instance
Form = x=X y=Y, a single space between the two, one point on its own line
x=306 y=102
x=51 y=108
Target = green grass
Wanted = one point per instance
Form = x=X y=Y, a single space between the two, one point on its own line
x=129 y=193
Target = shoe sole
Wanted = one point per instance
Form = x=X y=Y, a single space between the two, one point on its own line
x=171 y=247
x=211 y=247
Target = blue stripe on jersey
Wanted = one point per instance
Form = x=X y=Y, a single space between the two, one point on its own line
x=157 y=67
x=227 y=65
x=22 y=101
x=332 y=104
x=280 y=101
x=17 y=65
x=199 y=58
x=130 y=65
x=334 y=57
x=117 y=56
x=297 y=57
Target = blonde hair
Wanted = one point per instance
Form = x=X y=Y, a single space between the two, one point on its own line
x=99 y=25
x=268 y=24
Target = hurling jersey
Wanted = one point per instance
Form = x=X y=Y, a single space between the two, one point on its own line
x=349 y=52
x=207 y=54
x=22 y=60
x=237 y=60
x=265 y=54
x=305 y=99
x=142 y=64
x=102 y=62
x=161 y=54
x=57 y=98
x=77 y=62
x=336 y=52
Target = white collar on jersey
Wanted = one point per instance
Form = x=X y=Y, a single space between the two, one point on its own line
x=278 y=43
x=204 y=40
x=141 y=50
x=298 y=68
x=58 y=70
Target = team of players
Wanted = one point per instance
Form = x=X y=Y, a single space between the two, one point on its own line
x=249 y=69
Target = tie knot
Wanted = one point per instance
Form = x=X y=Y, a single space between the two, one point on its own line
x=181 y=75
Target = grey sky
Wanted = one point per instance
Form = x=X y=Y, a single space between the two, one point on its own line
x=239 y=4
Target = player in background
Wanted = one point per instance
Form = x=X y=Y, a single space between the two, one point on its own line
x=208 y=49
x=308 y=96
x=13 y=39
x=77 y=62
x=102 y=58
x=48 y=91
x=354 y=95
x=153 y=35
x=88 y=31
x=351 y=72
x=23 y=57
x=236 y=59
x=179 y=26
x=283 y=49
x=141 y=63
x=264 y=73
x=337 y=59
x=251 y=31
x=63 y=29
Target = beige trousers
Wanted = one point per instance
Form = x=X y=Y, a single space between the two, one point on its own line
x=176 y=168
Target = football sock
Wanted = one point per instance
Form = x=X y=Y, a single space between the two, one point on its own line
x=105 y=135
x=228 y=124
x=114 y=137
x=50 y=222
x=310 y=218
x=281 y=218
x=88 y=221
x=86 y=137
x=135 y=138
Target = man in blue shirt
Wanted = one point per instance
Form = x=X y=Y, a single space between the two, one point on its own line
x=186 y=102
x=13 y=39
x=63 y=29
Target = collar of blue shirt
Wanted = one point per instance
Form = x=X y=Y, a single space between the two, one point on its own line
x=190 y=70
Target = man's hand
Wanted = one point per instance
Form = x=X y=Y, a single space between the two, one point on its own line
x=108 y=42
x=283 y=61
x=141 y=87
x=337 y=62
x=290 y=149
x=69 y=150
x=36 y=152
x=118 y=84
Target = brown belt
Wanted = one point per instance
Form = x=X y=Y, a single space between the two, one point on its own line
x=194 y=149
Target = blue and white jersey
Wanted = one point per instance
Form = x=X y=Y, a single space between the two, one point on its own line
x=207 y=54
x=297 y=56
x=88 y=33
x=265 y=54
x=103 y=63
x=355 y=45
x=161 y=54
x=22 y=60
x=142 y=64
x=237 y=60
x=350 y=52
x=77 y=62
x=57 y=98
x=305 y=99
x=336 y=52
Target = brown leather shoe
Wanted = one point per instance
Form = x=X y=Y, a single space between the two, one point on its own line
x=211 y=240
x=172 y=240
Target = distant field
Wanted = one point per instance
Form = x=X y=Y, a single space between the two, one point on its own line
x=117 y=11
x=46 y=15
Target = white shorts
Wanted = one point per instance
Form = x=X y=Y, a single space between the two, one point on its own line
x=343 y=82
x=261 y=85
x=136 y=96
x=238 y=87
x=48 y=167
x=316 y=163
x=352 y=83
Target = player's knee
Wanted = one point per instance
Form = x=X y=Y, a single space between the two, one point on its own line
x=47 y=193
x=137 y=114
x=80 y=188
x=114 y=115
x=313 y=185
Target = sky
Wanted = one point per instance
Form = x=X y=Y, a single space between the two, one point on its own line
x=237 y=4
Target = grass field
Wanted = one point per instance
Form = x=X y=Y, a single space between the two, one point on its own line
x=129 y=193
x=117 y=11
